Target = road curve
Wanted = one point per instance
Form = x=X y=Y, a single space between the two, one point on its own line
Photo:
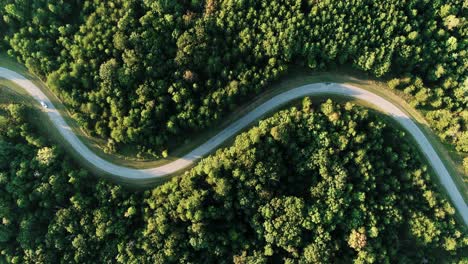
x=307 y=90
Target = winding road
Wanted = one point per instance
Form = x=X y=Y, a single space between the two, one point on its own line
x=307 y=90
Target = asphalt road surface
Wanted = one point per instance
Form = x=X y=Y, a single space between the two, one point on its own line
x=307 y=90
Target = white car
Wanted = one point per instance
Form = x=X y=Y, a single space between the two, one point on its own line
x=44 y=104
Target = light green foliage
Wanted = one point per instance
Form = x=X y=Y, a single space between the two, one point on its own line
x=45 y=156
x=283 y=224
x=357 y=239
x=465 y=164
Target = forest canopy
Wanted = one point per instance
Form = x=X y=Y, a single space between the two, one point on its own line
x=148 y=72
x=311 y=184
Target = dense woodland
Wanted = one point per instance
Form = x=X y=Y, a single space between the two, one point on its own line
x=316 y=184
x=146 y=72
x=313 y=184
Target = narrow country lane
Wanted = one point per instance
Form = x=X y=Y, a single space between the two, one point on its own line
x=307 y=90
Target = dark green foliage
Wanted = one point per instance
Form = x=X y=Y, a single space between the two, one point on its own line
x=53 y=212
x=144 y=72
x=335 y=183
x=322 y=184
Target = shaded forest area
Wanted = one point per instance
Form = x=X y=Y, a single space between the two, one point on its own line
x=311 y=184
x=148 y=72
